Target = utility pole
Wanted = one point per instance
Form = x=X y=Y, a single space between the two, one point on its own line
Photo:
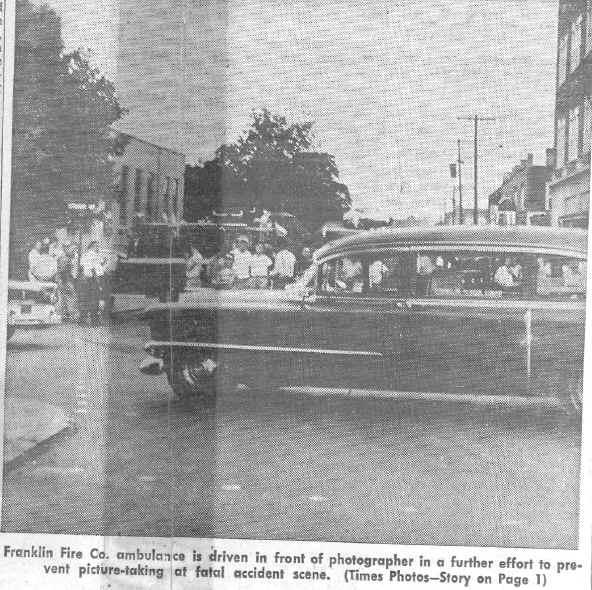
x=461 y=215
x=476 y=119
x=453 y=204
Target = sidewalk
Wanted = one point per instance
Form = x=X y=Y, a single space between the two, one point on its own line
x=28 y=424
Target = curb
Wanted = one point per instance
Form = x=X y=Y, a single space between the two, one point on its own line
x=39 y=448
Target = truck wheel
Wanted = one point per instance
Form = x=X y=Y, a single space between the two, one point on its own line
x=10 y=330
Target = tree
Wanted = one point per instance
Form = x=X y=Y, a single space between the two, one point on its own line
x=269 y=166
x=62 y=140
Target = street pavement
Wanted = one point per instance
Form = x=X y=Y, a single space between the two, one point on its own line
x=276 y=464
x=29 y=425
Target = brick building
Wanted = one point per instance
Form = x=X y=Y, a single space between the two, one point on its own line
x=568 y=191
x=521 y=198
x=149 y=183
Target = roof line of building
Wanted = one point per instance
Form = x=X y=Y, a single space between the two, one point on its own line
x=161 y=147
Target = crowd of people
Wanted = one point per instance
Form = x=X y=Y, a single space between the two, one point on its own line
x=80 y=279
x=83 y=281
x=245 y=267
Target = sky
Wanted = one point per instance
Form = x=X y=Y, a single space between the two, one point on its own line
x=384 y=81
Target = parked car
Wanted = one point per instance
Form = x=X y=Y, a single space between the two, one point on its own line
x=460 y=310
x=31 y=304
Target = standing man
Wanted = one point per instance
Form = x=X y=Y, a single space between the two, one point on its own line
x=89 y=287
x=67 y=273
x=260 y=264
x=241 y=264
x=304 y=261
x=284 y=267
x=44 y=266
x=34 y=254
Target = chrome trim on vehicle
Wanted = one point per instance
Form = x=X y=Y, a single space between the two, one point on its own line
x=480 y=247
x=260 y=348
x=414 y=303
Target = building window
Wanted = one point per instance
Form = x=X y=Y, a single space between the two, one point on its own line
x=560 y=147
x=138 y=191
x=506 y=218
x=167 y=198
x=576 y=204
x=573 y=133
x=150 y=196
x=587 y=126
x=161 y=211
x=576 y=43
x=122 y=194
x=562 y=60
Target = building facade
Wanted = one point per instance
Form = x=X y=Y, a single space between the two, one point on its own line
x=149 y=184
x=568 y=191
x=521 y=198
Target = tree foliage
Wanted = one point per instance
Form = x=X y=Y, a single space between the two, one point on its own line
x=63 y=109
x=269 y=166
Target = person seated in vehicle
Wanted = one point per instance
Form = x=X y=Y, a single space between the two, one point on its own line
x=574 y=275
x=505 y=277
x=377 y=271
x=516 y=268
x=425 y=270
x=351 y=275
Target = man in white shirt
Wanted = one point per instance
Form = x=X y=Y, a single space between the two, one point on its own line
x=283 y=269
x=259 y=268
x=516 y=269
x=351 y=275
x=425 y=266
x=44 y=267
x=241 y=264
x=504 y=276
x=376 y=272
x=34 y=254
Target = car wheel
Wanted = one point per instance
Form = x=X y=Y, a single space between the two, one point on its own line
x=10 y=330
x=190 y=380
x=196 y=377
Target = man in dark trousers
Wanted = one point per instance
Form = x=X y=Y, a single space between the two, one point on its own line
x=92 y=269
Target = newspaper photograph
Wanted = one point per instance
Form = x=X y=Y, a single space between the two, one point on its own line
x=293 y=294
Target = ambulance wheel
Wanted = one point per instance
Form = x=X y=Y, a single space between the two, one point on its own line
x=190 y=380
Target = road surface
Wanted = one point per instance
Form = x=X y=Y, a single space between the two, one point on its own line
x=273 y=464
